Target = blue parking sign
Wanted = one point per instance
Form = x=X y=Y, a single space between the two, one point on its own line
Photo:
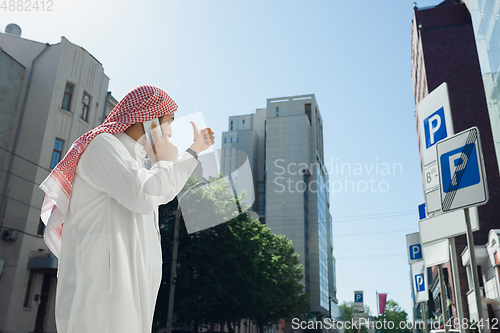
x=415 y=252
x=435 y=128
x=358 y=298
x=420 y=282
x=460 y=170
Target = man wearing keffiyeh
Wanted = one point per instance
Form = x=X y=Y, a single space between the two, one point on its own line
x=101 y=212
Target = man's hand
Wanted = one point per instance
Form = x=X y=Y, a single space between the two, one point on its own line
x=203 y=139
x=163 y=150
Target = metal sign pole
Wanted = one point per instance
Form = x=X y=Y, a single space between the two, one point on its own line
x=173 y=273
x=424 y=316
x=475 y=275
x=456 y=284
x=414 y=318
x=444 y=310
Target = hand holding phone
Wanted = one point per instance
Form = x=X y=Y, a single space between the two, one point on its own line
x=163 y=149
x=148 y=130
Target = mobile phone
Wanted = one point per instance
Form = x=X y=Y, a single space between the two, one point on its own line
x=148 y=131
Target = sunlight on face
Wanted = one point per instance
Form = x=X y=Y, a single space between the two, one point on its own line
x=166 y=124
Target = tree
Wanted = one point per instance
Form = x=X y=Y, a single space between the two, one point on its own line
x=230 y=272
x=395 y=314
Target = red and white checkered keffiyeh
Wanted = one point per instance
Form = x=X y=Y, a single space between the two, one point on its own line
x=141 y=104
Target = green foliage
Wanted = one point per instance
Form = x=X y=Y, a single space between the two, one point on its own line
x=232 y=271
x=393 y=312
x=348 y=308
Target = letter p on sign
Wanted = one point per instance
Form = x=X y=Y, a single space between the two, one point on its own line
x=419 y=282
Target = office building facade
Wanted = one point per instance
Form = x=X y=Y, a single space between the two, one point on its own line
x=284 y=145
x=50 y=95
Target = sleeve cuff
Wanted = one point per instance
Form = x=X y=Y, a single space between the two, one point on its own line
x=192 y=152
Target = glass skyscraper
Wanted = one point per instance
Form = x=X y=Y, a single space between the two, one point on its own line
x=284 y=145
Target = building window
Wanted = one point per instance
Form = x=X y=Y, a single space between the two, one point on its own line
x=480 y=274
x=224 y=152
x=237 y=124
x=56 y=153
x=85 y=107
x=277 y=111
x=230 y=139
x=27 y=295
x=224 y=140
x=41 y=228
x=230 y=151
x=237 y=151
x=231 y=125
x=68 y=95
x=243 y=121
x=237 y=139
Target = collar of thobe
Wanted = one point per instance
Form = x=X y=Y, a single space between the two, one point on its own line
x=136 y=150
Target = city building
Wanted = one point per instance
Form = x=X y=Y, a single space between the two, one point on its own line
x=50 y=94
x=488 y=263
x=485 y=20
x=443 y=49
x=284 y=145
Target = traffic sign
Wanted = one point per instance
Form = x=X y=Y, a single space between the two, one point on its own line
x=358 y=308
x=436 y=253
x=434 y=123
x=419 y=279
x=413 y=247
x=461 y=169
x=435 y=128
x=358 y=297
x=446 y=225
x=431 y=177
x=422 y=213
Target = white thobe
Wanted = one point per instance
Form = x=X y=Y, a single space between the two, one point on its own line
x=111 y=262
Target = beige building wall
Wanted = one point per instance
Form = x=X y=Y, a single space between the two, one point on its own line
x=28 y=279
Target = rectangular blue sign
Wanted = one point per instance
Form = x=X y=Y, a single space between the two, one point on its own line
x=435 y=128
x=421 y=211
x=419 y=282
x=455 y=163
x=415 y=252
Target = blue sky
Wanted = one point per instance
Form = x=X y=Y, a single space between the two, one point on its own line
x=227 y=57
